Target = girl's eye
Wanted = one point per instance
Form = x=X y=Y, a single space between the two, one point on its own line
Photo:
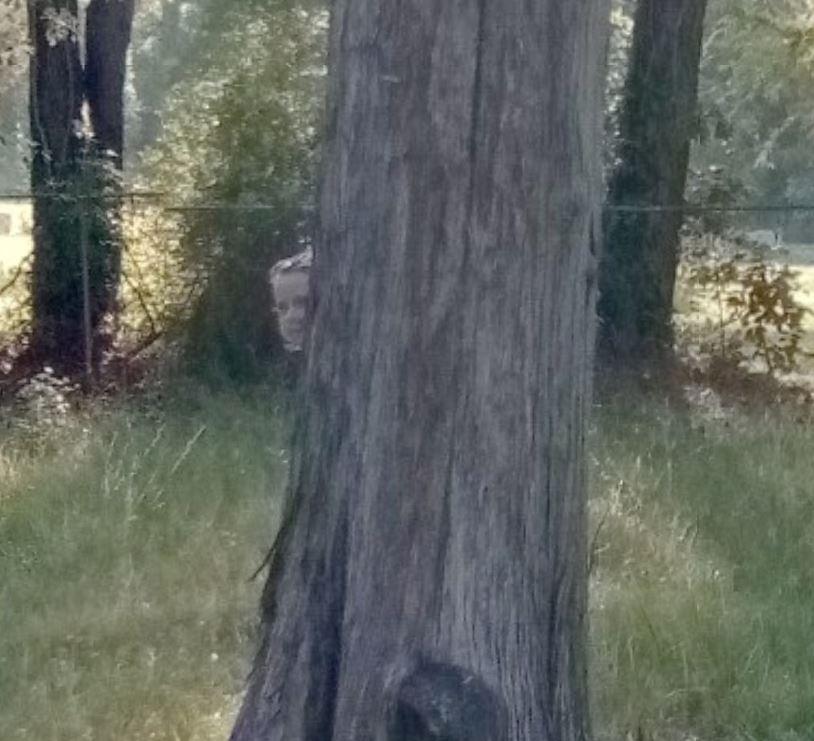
x=282 y=306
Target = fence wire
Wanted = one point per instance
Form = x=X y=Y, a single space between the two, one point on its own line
x=157 y=196
x=171 y=249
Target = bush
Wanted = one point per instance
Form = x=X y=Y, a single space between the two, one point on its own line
x=239 y=145
x=758 y=319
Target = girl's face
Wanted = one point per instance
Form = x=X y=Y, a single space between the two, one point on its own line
x=291 y=306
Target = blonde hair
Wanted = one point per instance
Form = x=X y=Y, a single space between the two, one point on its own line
x=301 y=262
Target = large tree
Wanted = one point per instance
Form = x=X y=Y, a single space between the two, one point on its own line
x=658 y=118
x=429 y=580
x=77 y=248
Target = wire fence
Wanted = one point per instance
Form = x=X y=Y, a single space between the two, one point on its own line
x=171 y=249
x=171 y=254
x=167 y=197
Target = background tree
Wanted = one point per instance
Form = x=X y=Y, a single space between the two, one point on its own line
x=431 y=575
x=55 y=108
x=73 y=290
x=657 y=121
x=108 y=28
x=108 y=25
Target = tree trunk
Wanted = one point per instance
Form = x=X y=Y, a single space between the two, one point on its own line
x=658 y=119
x=55 y=103
x=429 y=580
x=108 y=25
x=70 y=272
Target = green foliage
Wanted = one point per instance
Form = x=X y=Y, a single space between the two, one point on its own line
x=168 y=47
x=769 y=316
x=621 y=35
x=243 y=133
x=223 y=106
x=15 y=311
x=13 y=95
x=41 y=410
x=174 y=44
x=756 y=104
x=157 y=288
x=713 y=187
x=759 y=319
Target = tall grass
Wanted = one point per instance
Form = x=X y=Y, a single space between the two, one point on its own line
x=703 y=580
x=127 y=536
x=126 y=545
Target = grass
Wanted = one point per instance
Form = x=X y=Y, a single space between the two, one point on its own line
x=127 y=535
x=126 y=543
x=703 y=582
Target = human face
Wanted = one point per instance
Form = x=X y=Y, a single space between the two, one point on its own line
x=291 y=306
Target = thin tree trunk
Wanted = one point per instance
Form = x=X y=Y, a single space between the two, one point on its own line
x=429 y=581
x=108 y=28
x=55 y=103
x=67 y=273
x=108 y=25
x=658 y=120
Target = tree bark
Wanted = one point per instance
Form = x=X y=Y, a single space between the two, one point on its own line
x=55 y=104
x=429 y=580
x=108 y=26
x=657 y=122
x=66 y=163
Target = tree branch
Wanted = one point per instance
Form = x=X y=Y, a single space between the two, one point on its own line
x=11 y=282
x=142 y=301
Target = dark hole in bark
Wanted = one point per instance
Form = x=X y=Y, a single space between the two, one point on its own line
x=443 y=702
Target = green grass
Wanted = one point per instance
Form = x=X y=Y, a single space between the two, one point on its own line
x=126 y=544
x=703 y=583
x=127 y=535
